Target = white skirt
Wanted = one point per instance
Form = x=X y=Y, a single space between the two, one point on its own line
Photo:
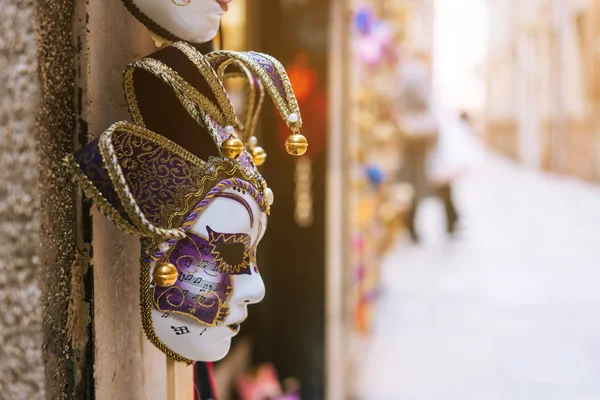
x=454 y=152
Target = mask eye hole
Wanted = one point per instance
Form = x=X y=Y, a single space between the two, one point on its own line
x=232 y=253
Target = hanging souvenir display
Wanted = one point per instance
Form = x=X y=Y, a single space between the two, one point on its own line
x=374 y=149
x=263 y=384
x=183 y=177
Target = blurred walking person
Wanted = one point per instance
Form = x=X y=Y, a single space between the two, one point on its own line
x=449 y=160
x=419 y=128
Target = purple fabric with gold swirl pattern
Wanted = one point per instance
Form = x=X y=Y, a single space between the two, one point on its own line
x=269 y=68
x=154 y=174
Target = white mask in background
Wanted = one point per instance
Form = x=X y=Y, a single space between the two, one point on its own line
x=195 y=21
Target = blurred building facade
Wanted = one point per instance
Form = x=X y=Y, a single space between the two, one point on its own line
x=543 y=84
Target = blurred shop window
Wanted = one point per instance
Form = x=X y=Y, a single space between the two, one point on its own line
x=234 y=36
x=234 y=27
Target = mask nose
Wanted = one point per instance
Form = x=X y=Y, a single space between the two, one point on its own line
x=248 y=289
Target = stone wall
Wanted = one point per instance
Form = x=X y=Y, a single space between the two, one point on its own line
x=21 y=367
x=56 y=131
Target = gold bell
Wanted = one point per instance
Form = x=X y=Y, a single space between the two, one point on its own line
x=165 y=274
x=296 y=144
x=232 y=147
x=259 y=155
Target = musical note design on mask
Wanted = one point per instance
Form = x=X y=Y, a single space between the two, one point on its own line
x=204 y=266
x=180 y=330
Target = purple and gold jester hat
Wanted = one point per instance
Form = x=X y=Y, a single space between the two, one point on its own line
x=155 y=176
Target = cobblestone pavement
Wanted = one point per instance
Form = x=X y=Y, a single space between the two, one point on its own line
x=509 y=310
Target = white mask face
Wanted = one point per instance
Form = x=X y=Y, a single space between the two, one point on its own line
x=224 y=237
x=195 y=21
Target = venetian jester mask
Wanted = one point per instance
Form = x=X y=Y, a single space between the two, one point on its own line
x=183 y=176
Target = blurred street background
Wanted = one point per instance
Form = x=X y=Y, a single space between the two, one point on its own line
x=506 y=309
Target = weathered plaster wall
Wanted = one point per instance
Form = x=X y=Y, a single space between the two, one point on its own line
x=127 y=366
x=21 y=368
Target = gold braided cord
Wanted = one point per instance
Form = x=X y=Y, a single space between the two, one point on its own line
x=193 y=107
x=223 y=66
x=222 y=77
x=213 y=80
x=253 y=102
x=179 y=85
x=92 y=193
